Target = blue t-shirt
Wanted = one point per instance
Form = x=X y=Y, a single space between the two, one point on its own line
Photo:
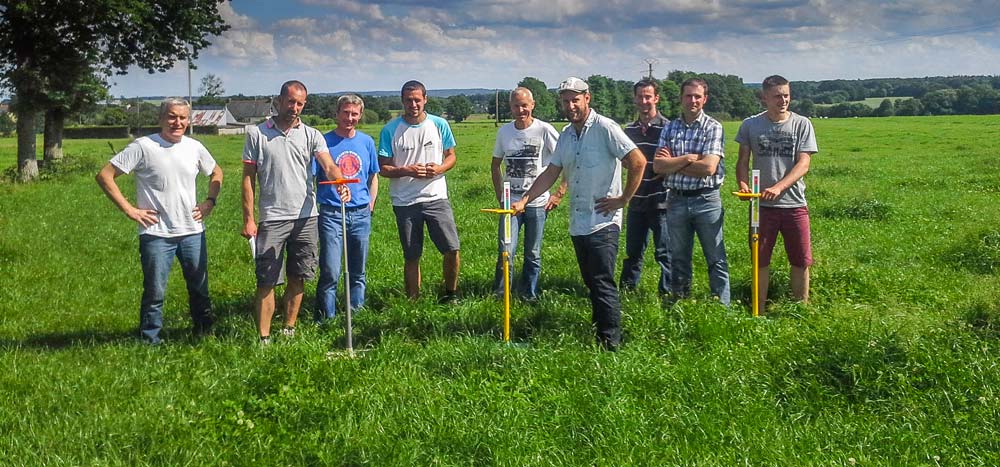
x=356 y=158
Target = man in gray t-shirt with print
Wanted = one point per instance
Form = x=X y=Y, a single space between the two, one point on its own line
x=781 y=144
x=278 y=156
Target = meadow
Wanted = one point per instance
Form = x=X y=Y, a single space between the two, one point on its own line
x=894 y=361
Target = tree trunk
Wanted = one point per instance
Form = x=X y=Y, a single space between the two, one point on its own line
x=27 y=161
x=55 y=120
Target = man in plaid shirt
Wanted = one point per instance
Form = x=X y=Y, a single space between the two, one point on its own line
x=691 y=159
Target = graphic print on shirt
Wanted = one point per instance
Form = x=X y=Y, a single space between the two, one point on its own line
x=777 y=144
x=523 y=165
x=349 y=163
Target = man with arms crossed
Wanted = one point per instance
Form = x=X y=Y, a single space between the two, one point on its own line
x=691 y=157
x=781 y=144
x=165 y=167
x=591 y=150
x=354 y=153
x=415 y=150
x=524 y=146
x=278 y=155
x=647 y=211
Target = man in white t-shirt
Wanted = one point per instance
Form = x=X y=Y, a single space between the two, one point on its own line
x=522 y=151
x=165 y=167
x=414 y=152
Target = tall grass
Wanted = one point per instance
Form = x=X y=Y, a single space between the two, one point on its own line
x=893 y=363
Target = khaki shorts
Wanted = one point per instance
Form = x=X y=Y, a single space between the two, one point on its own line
x=299 y=237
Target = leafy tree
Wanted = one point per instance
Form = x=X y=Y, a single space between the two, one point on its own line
x=909 y=107
x=7 y=125
x=501 y=98
x=940 y=102
x=546 y=107
x=434 y=106
x=459 y=107
x=45 y=41
x=804 y=107
x=370 y=117
x=211 y=90
x=670 y=102
x=211 y=86
x=885 y=109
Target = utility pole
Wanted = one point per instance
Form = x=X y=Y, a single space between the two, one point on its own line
x=651 y=62
x=190 y=100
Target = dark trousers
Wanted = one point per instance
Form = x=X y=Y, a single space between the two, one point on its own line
x=596 y=254
x=639 y=224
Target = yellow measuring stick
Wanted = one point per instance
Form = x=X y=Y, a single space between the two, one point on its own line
x=497 y=211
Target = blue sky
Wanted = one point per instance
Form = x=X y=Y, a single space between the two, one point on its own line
x=338 y=45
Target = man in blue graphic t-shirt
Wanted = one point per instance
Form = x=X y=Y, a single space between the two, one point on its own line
x=354 y=153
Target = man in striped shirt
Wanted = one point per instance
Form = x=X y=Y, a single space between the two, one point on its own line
x=647 y=211
x=691 y=159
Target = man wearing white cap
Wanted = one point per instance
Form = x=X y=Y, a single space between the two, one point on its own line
x=591 y=150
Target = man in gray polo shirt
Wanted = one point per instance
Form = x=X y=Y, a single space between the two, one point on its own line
x=591 y=150
x=278 y=155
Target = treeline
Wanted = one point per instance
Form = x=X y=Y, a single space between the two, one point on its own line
x=966 y=100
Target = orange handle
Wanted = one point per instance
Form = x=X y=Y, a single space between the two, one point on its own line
x=340 y=181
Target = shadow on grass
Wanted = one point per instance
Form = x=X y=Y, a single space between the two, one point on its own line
x=92 y=338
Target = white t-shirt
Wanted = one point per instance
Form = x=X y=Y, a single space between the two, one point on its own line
x=526 y=154
x=165 y=176
x=408 y=144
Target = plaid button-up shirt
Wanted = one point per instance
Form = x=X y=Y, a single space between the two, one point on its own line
x=702 y=136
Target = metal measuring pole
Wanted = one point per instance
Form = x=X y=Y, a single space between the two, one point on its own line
x=347 y=276
x=506 y=212
x=754 y=197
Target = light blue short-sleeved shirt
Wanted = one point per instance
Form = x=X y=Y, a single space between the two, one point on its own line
x=408 y=144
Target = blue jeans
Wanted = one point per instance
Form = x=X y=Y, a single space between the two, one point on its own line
x=156 y=254
x=533 y=220
x=700 y=214
x=638 y=226
x=596 y=255
x=359 y=228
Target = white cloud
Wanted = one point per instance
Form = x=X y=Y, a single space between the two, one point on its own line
x=494 y=43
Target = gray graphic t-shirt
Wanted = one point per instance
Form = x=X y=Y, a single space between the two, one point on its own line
x=525 y=154
x=775 y=148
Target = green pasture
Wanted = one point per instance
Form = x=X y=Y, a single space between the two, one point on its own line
x=895 y=361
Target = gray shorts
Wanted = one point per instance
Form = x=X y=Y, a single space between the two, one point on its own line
x=440 y=222
x=299 y=237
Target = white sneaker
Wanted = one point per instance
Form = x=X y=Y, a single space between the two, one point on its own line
x=288 y=332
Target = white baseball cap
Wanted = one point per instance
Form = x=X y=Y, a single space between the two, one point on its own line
x=574 y=84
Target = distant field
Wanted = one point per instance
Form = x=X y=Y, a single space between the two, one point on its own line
x=893 y=363
x=872 y=102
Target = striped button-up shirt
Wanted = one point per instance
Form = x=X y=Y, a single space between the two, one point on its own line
x=651 y=194
x=702 y=136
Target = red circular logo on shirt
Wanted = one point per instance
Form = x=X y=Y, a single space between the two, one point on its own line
x=349 y=163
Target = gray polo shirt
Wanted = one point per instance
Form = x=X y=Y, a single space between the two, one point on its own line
x=592 y=162
x=284 y=169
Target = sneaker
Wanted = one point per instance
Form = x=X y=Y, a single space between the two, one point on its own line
x=288 y=332
x=449 y=298
x=265 y=341
x=201 y=330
